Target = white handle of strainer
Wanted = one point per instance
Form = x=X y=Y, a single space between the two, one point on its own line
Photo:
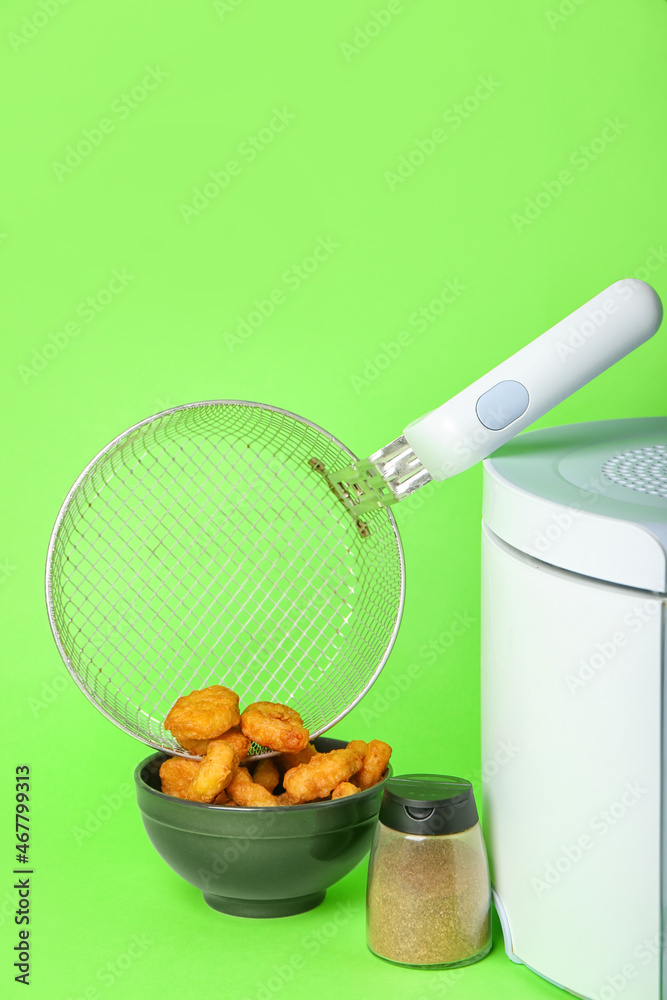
x=492 y=410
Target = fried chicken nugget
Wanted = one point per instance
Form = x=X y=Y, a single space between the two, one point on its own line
x=375 y=763
x=177 y=774
x=203 y=715
x=238 y=741
x=245 y=792
x=343 y=789
x=215 y=772
x=286 y=760
x=266 y=774
x=198 y=747
x=275 y=726
x=317 y=778
x=234 y=736
x=222 y=799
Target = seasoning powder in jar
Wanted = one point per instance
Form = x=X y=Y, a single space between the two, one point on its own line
x=429 y=897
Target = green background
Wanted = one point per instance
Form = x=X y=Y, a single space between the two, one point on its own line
x=360 y=98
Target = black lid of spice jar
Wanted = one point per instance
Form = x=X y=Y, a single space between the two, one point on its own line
x=428 y=804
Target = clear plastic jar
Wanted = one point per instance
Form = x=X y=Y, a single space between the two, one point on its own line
x=429 y=897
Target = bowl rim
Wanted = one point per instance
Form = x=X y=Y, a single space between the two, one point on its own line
x=252 y=810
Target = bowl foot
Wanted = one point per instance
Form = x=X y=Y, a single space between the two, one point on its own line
x=263 y=907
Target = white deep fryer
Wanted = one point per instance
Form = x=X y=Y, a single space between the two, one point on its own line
x=574 y=584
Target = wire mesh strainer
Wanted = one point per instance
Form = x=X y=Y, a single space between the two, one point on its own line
x=205 y=546
x=223 y=542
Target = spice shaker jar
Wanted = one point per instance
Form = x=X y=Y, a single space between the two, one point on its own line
x=429 y=896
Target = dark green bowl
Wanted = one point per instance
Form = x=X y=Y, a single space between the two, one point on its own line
x=267 y=862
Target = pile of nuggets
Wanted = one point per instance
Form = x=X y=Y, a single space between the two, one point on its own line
x=208 y=723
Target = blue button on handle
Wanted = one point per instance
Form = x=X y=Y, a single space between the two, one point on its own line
x=499 y=406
